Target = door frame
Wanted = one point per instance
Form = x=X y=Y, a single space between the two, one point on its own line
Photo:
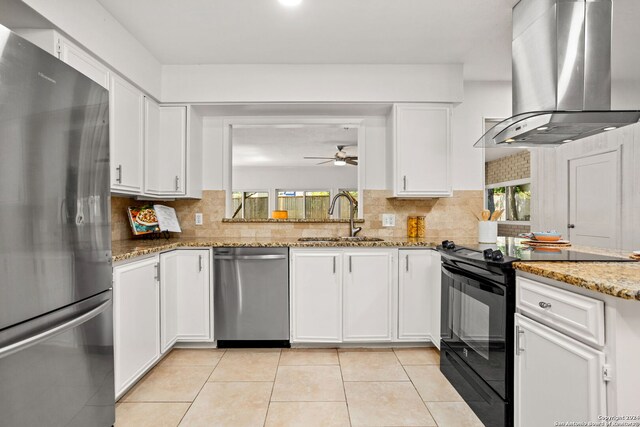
x=618 y=208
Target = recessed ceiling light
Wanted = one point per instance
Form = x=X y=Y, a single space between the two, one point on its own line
x=543 y=128
x=567 y=140
x=339 y=162
x=610 y=128
x=290 y=3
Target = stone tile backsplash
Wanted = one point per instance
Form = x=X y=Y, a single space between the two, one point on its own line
x=446 y=218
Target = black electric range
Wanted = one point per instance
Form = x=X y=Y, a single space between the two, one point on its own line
x=477 y=315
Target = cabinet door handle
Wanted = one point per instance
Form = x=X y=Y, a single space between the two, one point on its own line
x=406 y=261
x=177 y=183
x=157 y=276
x=519 y=332
x=349 y=263
x=544 y=305
x=404 y=182
x=199 y=263
x=119 y=176
x=334 y=265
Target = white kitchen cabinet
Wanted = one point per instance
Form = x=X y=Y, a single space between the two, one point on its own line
x=419 y=138
x=415 y=292
x=83 y=62
x=136 y=305
x=316 y=296
x=169 y=283
x=368 y=290
x=556 y=377
x=436 y=290
x=194 y=295
x=165 y=149
x=74 y=56
x=185 y=297
x=126 y=107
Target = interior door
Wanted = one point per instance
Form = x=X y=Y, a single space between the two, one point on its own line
x=594 y=200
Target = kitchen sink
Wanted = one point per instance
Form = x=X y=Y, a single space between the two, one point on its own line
x=340 y=239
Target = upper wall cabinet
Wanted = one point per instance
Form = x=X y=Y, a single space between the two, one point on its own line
x=81 y=61
x=126 y=106
x=166 y=149
x=58 y=46
x=419 y=138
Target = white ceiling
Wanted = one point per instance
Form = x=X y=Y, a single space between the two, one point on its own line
x=476 y=33
x=473 y=32
x=270 y=146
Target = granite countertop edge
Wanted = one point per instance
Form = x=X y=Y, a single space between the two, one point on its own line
x=615 y=284
x=148 y=247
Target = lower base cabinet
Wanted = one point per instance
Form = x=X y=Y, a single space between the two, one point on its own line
x=557 y=378
x=185 y=297
x=368 y=289
x=136 y=307
x=159 y=301
x=419 y=295
x=364 y=295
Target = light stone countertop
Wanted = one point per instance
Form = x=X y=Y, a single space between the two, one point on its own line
x=619 y=279
x=128 y=249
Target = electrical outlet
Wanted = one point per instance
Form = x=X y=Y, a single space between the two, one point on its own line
x=388 y=220
x=199 y=219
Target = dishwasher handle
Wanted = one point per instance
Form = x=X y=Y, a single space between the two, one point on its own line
x=249 y=257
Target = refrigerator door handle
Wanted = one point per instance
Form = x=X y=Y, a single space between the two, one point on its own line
x=43 y=336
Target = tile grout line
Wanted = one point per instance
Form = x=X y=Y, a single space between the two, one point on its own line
x=346 y=401
x=273 y=385
x=415 y=388
x=199 y=391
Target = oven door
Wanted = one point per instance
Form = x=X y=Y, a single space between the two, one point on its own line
x=474 y=324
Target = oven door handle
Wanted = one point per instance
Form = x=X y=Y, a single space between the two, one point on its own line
x=474 y=283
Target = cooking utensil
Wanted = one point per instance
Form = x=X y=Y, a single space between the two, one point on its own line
x=496 y=214
x=476 y=215
x=486 y=214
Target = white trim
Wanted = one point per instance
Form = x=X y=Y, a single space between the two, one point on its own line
x=508 y=183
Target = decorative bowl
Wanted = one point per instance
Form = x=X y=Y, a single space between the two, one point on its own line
x=546 y=236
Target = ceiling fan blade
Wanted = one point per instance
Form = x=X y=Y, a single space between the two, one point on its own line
x=322 y=163
x=352 y=162
x=352 y=157
x=317 y=158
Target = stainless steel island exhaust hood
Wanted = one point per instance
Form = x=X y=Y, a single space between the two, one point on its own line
x=561 y=75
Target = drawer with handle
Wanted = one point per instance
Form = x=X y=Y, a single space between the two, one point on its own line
x=576 y=315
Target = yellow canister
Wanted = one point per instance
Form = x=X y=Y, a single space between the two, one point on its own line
x=412 y=226
x=421 y=225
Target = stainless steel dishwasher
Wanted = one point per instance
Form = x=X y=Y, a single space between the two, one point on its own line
x=251 y=298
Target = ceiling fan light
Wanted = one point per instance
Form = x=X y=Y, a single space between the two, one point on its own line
x=339 y=162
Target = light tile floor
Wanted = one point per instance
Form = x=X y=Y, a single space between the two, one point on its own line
x=296 y=387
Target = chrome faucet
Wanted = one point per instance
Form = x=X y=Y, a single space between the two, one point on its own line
x=353 y=205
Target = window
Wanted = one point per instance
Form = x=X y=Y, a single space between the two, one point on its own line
x=514 y=199
x=344 y=204
x=250 y=204
x=304 y=204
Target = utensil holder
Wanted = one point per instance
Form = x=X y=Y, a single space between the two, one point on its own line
x=487 y=231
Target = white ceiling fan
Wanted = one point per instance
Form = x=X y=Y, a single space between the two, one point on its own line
x=341 y=158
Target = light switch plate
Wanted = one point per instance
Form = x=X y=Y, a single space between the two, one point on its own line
x=388 y=220
x=199 y=219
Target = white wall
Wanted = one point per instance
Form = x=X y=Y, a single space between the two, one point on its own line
x=213 y=141
x=91 y=26
x=312 y=83
x=481 y=100
x=295 y=178
x=550 y=185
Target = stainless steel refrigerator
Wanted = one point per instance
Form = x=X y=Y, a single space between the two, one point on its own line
x=56 y=330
